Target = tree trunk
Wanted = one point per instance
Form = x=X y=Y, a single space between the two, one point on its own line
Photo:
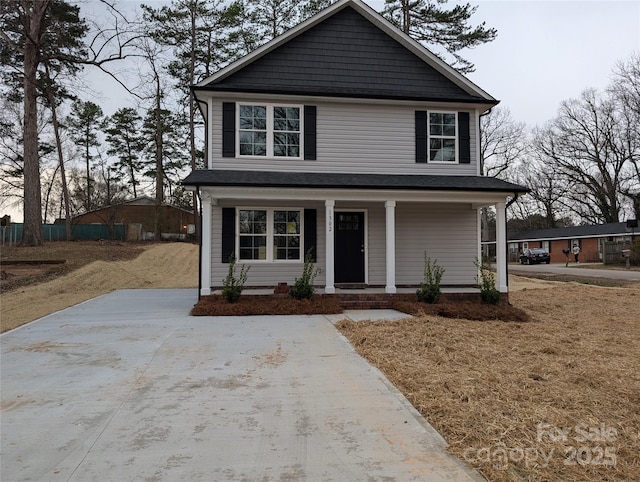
x=63 y=175
x=192 y=115
x=159 y=162
x=32 y=228
x=88 y=176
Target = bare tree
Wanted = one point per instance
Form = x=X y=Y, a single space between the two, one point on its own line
x=502 y=142
x=584 y=145
x=625 y=91
x=52 y=101
x=547 y=194
x=502 y=145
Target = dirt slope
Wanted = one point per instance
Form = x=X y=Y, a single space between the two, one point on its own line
x=173 y=265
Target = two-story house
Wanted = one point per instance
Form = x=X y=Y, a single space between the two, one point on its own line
x=345 y=137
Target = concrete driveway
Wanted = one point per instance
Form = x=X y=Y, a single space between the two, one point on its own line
x=127 y=386
x=587 y=270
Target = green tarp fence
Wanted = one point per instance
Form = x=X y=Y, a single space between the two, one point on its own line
x=56 y=232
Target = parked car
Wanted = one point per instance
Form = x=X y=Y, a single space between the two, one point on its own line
x=533 y=256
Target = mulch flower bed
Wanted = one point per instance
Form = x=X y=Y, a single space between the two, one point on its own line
x=215 y=305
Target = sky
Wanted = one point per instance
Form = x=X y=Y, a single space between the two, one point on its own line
x=545 y=52
x=549 y=51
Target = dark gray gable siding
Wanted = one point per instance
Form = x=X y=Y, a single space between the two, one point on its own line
x=345 y=55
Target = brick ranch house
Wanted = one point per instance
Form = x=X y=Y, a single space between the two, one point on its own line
x=347 y=138
x=591 y=240
x=139 y=215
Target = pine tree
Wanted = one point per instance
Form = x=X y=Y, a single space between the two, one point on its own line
x=85 y=121
x=433 y=24
x=35 y=31
x=126 y=142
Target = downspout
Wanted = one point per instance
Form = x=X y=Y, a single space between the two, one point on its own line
x=480 y=139
x=199 y=243
x=506 y=232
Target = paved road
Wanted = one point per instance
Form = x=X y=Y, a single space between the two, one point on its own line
x=127 y=386
x=589 y=270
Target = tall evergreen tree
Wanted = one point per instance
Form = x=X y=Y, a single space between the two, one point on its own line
x=271 y=18
x=35 y=31
x=126 y=143
x=203 y=36
x=311 y=7
x=85 y=121
x=433 y=24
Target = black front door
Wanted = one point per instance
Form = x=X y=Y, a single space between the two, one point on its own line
x=349 y=247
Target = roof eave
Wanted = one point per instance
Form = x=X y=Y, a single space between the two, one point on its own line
x=476 y=101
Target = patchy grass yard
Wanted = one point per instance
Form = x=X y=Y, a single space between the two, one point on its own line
x=553 y=399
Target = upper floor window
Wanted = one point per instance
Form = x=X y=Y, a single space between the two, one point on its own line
x=443 y=138
x=269 y=130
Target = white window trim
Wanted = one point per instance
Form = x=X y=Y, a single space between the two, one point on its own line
x=270 y=234
x=270 y=131
x=455 y=138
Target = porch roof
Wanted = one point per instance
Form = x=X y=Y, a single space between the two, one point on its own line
x=316 y=180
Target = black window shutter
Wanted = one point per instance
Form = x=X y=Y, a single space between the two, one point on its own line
x=228 y=233
x=421 y=136
x=310 y=230
x=310 y=132
x=464 y=139
x=228 y=129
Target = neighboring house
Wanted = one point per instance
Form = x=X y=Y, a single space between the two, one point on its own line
x=591 y=240
x=347 y=138
x=138 y=216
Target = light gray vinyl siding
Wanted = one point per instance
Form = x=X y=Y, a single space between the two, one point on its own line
x=354 y=138
x=447 y=232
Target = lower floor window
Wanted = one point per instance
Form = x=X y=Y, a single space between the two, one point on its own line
x=270 y=234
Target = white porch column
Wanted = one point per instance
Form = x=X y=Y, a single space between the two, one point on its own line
x=329 y=242
x=390 y=207
x=205 y=260
x=501 y=247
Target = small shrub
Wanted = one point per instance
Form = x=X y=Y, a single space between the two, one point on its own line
x=487 y=283
x=429 y=291
x=231 y=286
x=303 y=286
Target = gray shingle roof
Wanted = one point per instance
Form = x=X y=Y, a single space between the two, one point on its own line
x=344 y=55
x=572 y=232
x=228 y=178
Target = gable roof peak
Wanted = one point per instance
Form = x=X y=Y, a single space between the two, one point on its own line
x=403 y=42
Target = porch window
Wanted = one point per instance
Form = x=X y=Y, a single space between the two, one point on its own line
x=270 y=234
x=253 y=234
x=442 y=129
x=286 y=235
x=269 y=130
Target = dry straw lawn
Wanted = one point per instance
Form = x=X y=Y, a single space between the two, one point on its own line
x=557 y=398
